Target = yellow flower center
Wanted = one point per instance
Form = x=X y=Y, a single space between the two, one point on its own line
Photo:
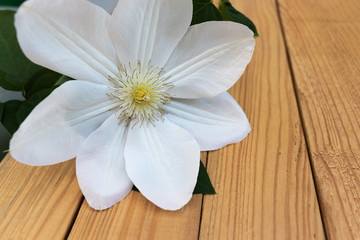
x=141 y=93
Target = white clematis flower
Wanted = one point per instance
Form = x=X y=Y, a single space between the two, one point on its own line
x=150 y=95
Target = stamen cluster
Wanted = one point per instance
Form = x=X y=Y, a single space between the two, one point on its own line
x=141 y=92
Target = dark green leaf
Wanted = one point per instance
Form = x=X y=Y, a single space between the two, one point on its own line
x=28 y=105
x=1 y=109
x=203 y=11
x=203 y=184
x=60 y=81
x=36 y=98
x=8 y=119
x=43 y=79
x=11 y=2
x=15 y=68
x=23 y=111
x=229 y=13
x=15 y=112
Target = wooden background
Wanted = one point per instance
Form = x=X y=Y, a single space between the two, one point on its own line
x=296 y=176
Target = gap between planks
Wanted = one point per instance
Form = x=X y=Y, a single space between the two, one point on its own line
x=299 y=108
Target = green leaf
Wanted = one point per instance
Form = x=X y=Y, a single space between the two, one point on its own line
x=36 y=90
x=1 y=109
x=28 y=105
x=60 y=81
x=11 y=2
x=8 y=118
x=229 y=13
x=203 y=184
x=203 y=11
x=135 y=189
x=15 y=68
x=43 y=79
x=24 y=110
x=15 y=111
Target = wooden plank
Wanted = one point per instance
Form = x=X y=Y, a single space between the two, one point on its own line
x=323 y=40
x=137 y=218
x=37 y=202
x=264 y=184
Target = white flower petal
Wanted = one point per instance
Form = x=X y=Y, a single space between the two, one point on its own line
x=209 y=59
x=67 y=36
x=163 y=163
x=55 y=129
x=144 y=30
x=214 y=122
x=100 y=165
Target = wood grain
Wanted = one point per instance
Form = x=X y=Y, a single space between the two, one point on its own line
x=137 y=218
x=264 y=184
x=323 y=41
x=37 y=202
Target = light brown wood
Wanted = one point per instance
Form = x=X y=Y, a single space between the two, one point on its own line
x=137 y=218
x=37 y=202
x=323 y=41
x=264 y=184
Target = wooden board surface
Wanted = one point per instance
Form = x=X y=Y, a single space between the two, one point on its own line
x=264 y=184
x=323 y=42
x=37 y=202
